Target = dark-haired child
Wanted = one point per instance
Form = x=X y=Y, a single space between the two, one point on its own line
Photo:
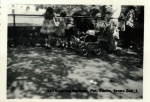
x=48 y=26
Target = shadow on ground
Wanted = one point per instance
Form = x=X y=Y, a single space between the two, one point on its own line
x=33 y=71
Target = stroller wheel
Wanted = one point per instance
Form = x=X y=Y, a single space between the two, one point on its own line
x=64 y=44
x=83 y=50
x=97 y=51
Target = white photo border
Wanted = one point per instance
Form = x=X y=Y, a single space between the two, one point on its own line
x=3 y=45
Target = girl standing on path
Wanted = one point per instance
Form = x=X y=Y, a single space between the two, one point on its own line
x=48 y=27
x=61 y=28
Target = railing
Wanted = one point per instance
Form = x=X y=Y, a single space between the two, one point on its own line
x=26 y=15
x=15 y=27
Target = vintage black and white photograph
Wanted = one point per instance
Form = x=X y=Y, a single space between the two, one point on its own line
x=64 y=51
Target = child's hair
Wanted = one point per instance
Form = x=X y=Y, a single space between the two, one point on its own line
x=63 y=13
x=49 y=13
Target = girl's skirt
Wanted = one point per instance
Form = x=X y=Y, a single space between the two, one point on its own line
x=48 y=27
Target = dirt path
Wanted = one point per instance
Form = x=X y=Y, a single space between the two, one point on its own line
x=32 y=71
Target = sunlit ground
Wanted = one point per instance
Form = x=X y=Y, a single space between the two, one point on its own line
x=32 y=71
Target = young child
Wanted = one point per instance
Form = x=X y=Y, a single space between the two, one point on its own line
x=48 y=26
x=61 y=28
x=91 y=30
x=91 y=33
x=69 y=31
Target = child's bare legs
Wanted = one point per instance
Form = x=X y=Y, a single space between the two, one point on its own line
x=46 y=42
x=49 y=40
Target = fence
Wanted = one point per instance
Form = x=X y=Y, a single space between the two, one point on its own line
x=20 y=26
x=24 y=15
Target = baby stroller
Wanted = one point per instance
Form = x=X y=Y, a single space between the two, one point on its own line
x=90 y=41
x=86 y=43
